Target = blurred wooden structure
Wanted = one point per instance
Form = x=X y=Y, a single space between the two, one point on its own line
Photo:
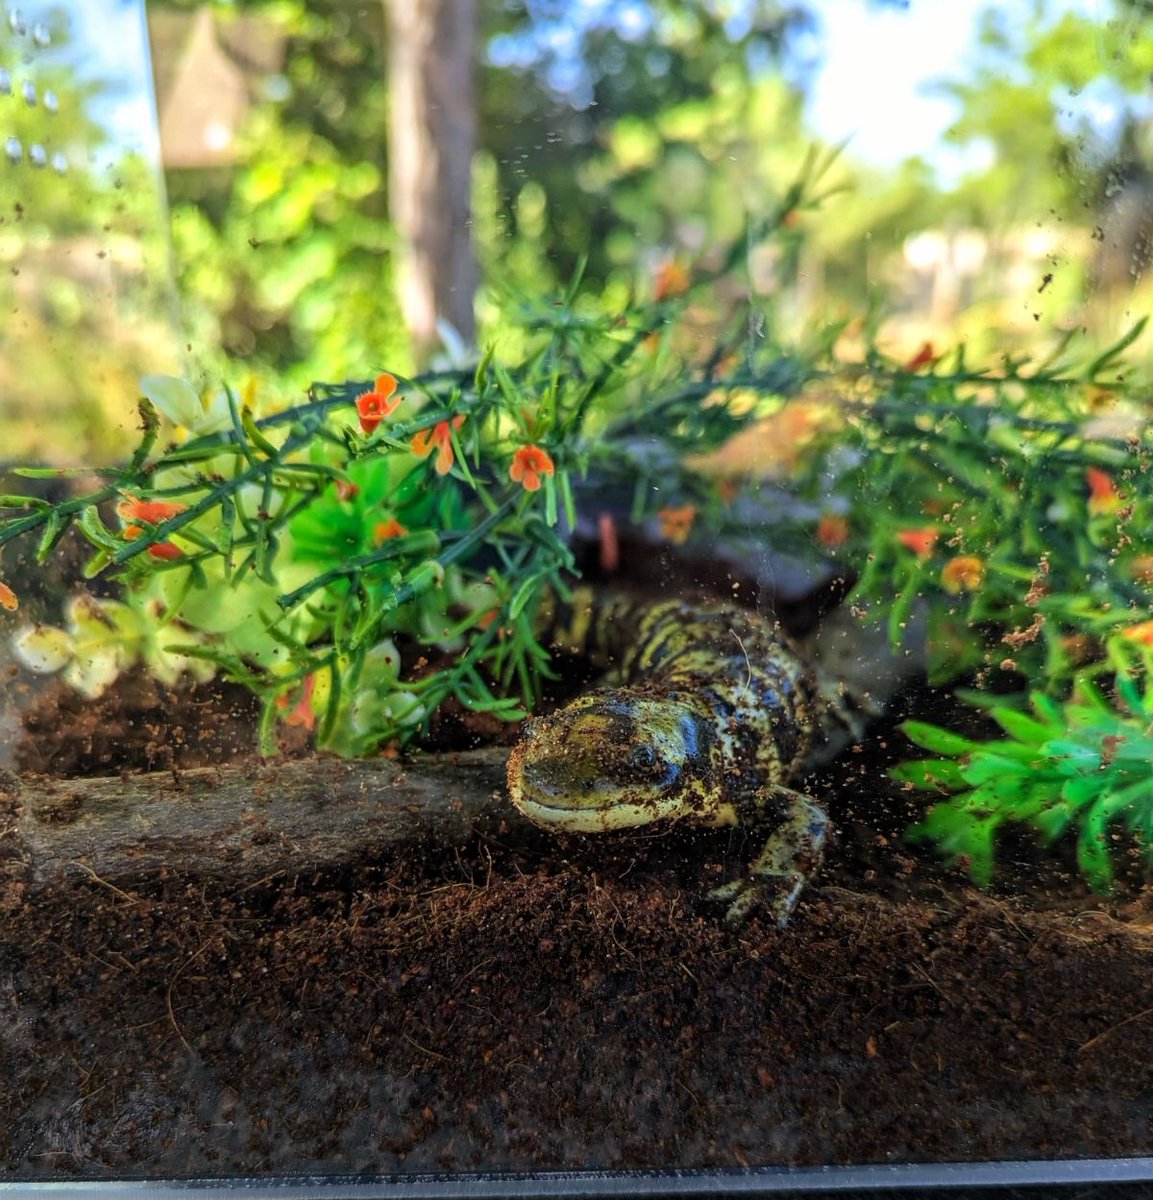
x=205 y=73
x=432 y=138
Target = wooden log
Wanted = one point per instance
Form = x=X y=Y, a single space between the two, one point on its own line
x=241 y=822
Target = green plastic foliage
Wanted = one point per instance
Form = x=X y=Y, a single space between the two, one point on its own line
x=359 y=559
x=1084 y=767
x=994 y=514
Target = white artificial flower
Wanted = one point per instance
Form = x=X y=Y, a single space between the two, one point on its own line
x=180 y=402
x=93 y=671
x=404 y=708
x=102 y=643
x=382 y=664
x=43 y=649
x=169 y=665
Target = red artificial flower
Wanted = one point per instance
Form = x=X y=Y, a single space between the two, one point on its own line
x=923 y=358
x=151 y=512
x=1103 y=494
x=301 y=713
x=164 y=550
x=672 y=280
x=529 y=463
x=486 y=618
x=439 y=436
x=374 y=406
x=920 y=541
x=832 y=530
x=1142 y=634
x=391 y=528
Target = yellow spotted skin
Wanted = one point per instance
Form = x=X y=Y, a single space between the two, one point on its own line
x=706 y=716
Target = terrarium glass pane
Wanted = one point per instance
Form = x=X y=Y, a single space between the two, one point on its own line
x=627 y=643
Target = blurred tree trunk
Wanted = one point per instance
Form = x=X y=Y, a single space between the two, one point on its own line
x=432 y=136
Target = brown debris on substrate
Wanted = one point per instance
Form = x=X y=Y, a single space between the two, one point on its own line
x=140 y=725
x=495 y=1015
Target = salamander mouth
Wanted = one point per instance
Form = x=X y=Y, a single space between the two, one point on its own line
x=603 y=819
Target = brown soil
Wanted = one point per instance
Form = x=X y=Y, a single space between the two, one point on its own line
x=143 y=726
x=559 y=1004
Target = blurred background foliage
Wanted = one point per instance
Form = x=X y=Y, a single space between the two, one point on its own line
x=636 y=139
x=85 y=266
x=657 y=132
x=283 y=254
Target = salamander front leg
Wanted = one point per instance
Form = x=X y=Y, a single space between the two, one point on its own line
x=789 y=859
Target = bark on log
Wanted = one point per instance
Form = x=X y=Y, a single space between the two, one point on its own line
x=241 y=822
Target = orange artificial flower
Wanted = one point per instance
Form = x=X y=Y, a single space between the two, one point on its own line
x=672 y=280
x=923 y=358
x=677 y=523
x=151 y=512
x=301 y=713
x=439 y=436
x=964 y=573
x=1142 y=633
x=8 y=599
x=391 y=528
x=529 y=463
x=486 y=618
x=1103 y=495
x=374 y=406
x=920 y=541
x=832 y=530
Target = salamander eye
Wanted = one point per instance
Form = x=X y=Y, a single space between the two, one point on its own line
x=642 y=760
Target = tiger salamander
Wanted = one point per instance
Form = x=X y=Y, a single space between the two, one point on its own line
x=706 y=716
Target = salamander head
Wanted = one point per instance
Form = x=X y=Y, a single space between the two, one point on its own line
x=613 y=759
